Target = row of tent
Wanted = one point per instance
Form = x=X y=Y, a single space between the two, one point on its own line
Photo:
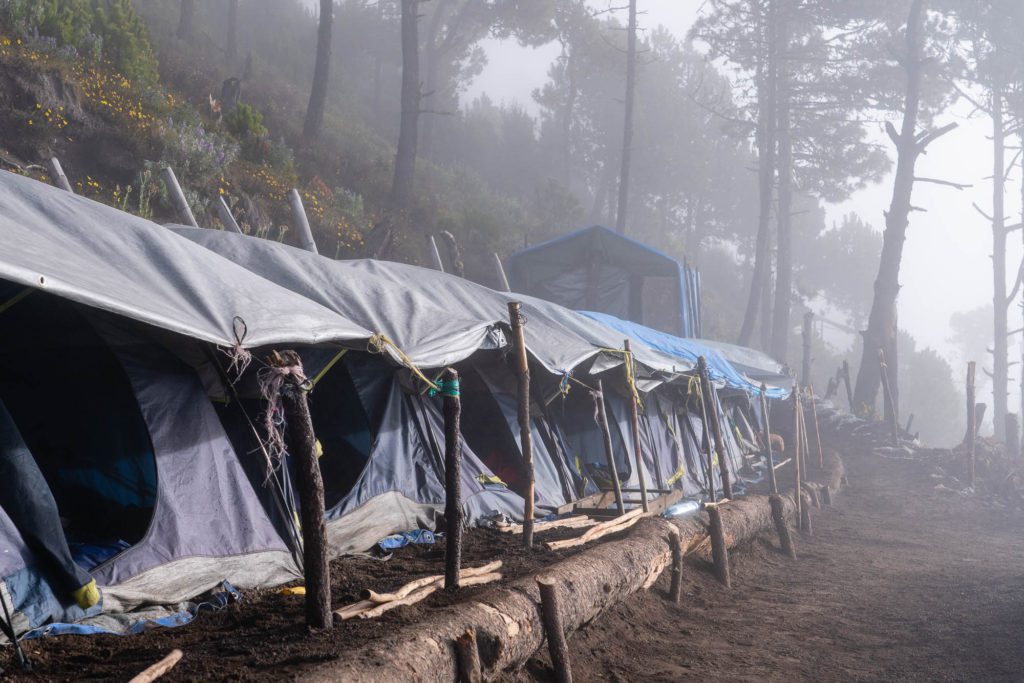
x=132 y=450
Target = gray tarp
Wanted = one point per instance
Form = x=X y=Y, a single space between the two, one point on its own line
x=84 y=251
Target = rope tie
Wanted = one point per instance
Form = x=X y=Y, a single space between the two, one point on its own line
x=627 y=359
x=239 y=356
x=273 y=380
x=446 y=387
x=380 y=343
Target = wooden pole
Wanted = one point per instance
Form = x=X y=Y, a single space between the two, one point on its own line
x=499 y=274
x=226 y=218
x=452 y=478
x=817 y=428
x=435 y=255
x=849 y=389
x=910 y=424
x=719 y=548
x=553 y=630
x=609 y=450
x=971 y=424
x=634 y=422
x=302 y=446
x=892 y=410
x=305 y=236
x=805 y=376
x=706 y=434
x=768 y=439
x=181 y=206
x=805 y=441
x=157 y=670
x=1012 y=435
x=57 y=174
x=781 y=526
x=525 y=433
x=675 y=543
x=716 y=423
x=796 y=452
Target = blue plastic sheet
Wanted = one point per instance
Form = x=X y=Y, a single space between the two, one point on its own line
x=416 y=536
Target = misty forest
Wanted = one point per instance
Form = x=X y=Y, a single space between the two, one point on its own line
x=419 y=280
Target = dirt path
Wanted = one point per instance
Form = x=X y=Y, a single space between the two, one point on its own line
x=900 y=582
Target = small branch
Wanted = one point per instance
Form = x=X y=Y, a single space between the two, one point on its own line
x=978 y=209
x=929 y=138
x=947 y=183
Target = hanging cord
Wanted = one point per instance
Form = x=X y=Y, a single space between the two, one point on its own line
x=240 y=357
x=272 y=381
x=380 y=343
x=627 y=359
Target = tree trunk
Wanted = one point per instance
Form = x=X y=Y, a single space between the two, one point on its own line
x=232 y=42
x=881 y=332
x=186 y=19
x=405 y=157
x=766 y=179
x=627 y=134
x=1000 y=302
x=430 y=53
x=321 y=73
x=784 y=221
x=567 y=117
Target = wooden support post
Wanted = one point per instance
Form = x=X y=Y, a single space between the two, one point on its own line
x=435 y=254
x=305 y=233
x=609 y=450
x=768 y=439
x=805 y=442
x=805 y=376
x=781 y=526
x=706 y=436
x=452 y=478
x=910 y=424
x=716 y=423
x=1012 y=436
x=892 y=410
x=675 y=543
x=302 y=446
x=468 y=654
x=525 y=433
x=553 y=631
x=499 y=274
x=797 y=408
x=719 y=548
x=57 y=175
x=226 y=218
x=805 y=515
x=181 y=206
x=817 y=428
x=849 y=389
x=971 y=423
x=634 y=422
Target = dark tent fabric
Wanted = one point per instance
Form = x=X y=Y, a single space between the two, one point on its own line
x=598 y=269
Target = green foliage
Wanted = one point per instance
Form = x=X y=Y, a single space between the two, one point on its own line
x=94 y=28
x=245 y=122
x=195 y=154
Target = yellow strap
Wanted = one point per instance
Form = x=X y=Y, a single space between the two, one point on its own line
x=327 y=368
x=679 y=474
x=15 y=299
x=380 y=342
x=627 y=359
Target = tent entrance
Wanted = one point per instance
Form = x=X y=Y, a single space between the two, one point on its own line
x=73 y=403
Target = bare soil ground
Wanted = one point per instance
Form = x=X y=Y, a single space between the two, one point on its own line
x=900 y=582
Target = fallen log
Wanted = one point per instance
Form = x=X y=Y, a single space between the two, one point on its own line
x=507 y=621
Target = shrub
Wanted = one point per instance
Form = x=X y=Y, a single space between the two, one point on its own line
x=244 y=122
x=194 y=153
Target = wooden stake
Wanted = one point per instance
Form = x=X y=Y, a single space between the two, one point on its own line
x=159 y=669
x=302 y=446
x=719 y=548
x=553 y=630
x=634 y=423
x=1012 y=436
x=435 y=255
x=716 y=423
x=805 y=515
x=181 y=206
x=226 y=218
x=675 y=543
x=57 y=174
x=499 y=274
x=805 y=442
x=892 y=413
x=796 y=452
x=706 y=434
x=768 y=438
x=305 y=233
x=805 y=376
x=525 y=433
x=468 y=653
x=849 y=389
x=452 y=479
x=781 y=526
x=817 y=428
x=609 y=450
x=971 y=424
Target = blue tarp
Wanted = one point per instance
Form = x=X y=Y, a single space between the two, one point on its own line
x=720 y=369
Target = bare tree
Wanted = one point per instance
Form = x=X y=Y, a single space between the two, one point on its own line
x=402 y=188
x=321 y=73
x=627 y=134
